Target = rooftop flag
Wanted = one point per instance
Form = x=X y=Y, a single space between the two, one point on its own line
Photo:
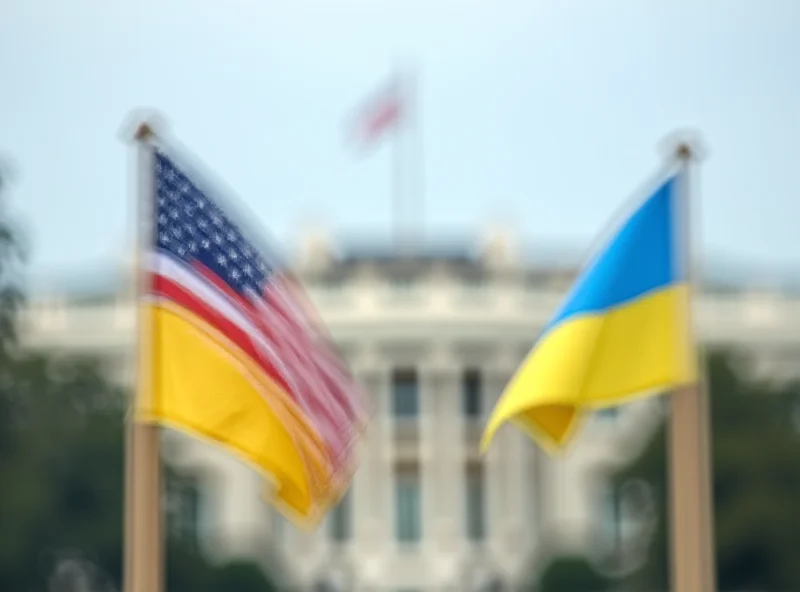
x=379 y=115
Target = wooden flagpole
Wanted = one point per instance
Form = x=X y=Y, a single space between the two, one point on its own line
x=690 y=468
x=143 y=541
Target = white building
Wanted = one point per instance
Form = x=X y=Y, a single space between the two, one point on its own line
x=433 y=338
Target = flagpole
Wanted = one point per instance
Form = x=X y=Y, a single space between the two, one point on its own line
x=397 y=176
x=406 y=164
x=417 y=217
x=399 y=163
x=143 y=541
x=690 y=469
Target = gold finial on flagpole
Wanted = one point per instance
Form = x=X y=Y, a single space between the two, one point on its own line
x=683 y=151
x=144 y=133
x=143 y=126
x=684 y=146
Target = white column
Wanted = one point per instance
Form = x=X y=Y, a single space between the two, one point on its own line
x=553 y=489
x=534 y=496
x=372 y=484
x=428 y=449
x=444 y=479
x=518 y=499
x=492 y=464
x=504 y=475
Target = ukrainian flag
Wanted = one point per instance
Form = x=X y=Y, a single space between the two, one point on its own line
x=621 y=333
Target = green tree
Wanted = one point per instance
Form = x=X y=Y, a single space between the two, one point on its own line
x=756 y=463
x=11 y=259
x=240 y=576
x=571 y=574
x=11 y=255
x=62 y=469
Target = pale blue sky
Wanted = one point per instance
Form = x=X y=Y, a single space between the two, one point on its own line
x=543 y=115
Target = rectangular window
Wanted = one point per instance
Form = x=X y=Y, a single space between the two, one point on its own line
x=278 y=525
x=609 y=413
x=184 y=498
x=405 y=394
x=471 y=394
x=404 y=285
x=612 y=518
x=408 y=500
x=190 y=513
x=333 y=284
x=474 y=283
x=340 y=520
x=476 y=502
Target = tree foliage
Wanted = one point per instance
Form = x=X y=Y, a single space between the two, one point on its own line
x=572 y=574
x=756 y=464
x=11 y=258
x=62 y=470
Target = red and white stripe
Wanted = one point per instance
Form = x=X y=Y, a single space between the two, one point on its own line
x=277 y=336
x=382 y=113
x=286 y=297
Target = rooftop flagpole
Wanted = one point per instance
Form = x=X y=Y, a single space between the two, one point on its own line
x=407 y=164
x=395 y=111
x=401 y=187
x=416 y=156
x=143 y=539
x=692 y=555
x=399 y=164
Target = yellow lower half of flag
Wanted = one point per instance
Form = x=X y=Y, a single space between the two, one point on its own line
x=599 y=360
x=196 y=381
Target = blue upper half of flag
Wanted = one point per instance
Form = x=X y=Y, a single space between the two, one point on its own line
x=640 y=258
x=193 y=228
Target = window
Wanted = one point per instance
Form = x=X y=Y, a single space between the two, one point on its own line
x=609 y=413
x=403 y=284
x=476 y=503
x=408 y=511
x=339 y=523
x=184 y=502
x=333 y=285
x=611 y=513
x=405 y=394
x=471 y=394
x=278 y=525
x=474 y=283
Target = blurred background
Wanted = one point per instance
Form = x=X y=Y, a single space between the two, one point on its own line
x=435 y=257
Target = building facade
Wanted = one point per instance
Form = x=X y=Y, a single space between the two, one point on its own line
x=433 y=337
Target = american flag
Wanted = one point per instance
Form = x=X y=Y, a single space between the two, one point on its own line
x=383 y=112
x=202 y=261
